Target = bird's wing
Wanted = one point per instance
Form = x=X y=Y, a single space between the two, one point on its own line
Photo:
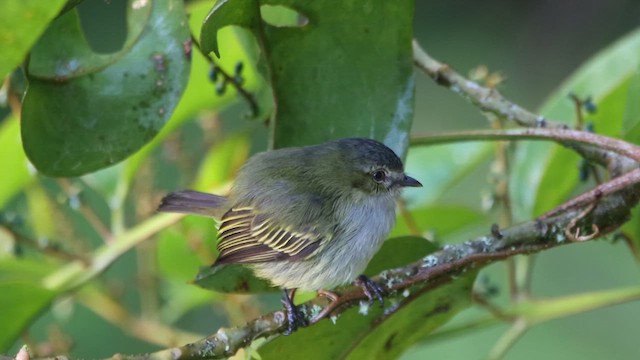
x=248 y=236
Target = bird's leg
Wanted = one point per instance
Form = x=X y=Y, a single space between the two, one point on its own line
x=370 y=288
x=295 y=317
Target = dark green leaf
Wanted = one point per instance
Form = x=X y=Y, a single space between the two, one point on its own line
x=344 y=73
x=378 y=334
x=114 y=102
x=244 y=13
x=234 y=278
x=21 y=23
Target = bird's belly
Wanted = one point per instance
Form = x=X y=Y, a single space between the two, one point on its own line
x=341 y=260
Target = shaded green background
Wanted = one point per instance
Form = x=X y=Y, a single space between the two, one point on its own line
x=536 y=45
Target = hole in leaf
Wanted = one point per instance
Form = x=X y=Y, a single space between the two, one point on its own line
x=282 y=16
x=96 y=16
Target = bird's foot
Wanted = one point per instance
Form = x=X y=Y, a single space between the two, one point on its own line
x=295 y=317
x=329 y=295
x=370 y=288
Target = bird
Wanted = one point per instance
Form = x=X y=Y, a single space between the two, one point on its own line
x=306 y=218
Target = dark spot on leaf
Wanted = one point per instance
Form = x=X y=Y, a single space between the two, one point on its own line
x=144 y=104
x=187 y=48
x=440 y=309
x=159 y=62
x=125 y=74
x=366 y=30
x=243 y=286
x=142 y=76
x=389 y=343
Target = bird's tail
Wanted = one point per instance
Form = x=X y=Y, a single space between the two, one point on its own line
x=193 y=202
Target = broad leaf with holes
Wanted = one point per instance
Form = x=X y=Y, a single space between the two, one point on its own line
x=115 y=102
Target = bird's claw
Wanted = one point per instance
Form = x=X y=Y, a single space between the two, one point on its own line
x=370 y=288
x=295 y=317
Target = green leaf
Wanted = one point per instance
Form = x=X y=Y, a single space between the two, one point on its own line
x=21 y=23
x=115 y=102
x=439 y=219
x=398 y=252
x=22 y=297
x=20 y=303
x=632 y=228
x=222 y=162
x=234 y=278
x=176 y=260
x=542 y=168
x=13 y=162
x=378 y=334
x=243 y=13
x=447 y=165
x=342 y=74
x=631 y=122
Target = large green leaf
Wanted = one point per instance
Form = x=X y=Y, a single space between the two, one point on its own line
x=85 y=111
x=544 y=170
x=13 y=162
x=21 y=23
x=378 y=334
x=346 y=72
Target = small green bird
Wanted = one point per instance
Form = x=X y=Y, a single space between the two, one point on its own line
x=308 y=218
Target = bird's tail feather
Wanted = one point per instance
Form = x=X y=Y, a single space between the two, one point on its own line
x=193 y=202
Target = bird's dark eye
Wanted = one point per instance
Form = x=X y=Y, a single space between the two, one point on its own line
x=379 y=175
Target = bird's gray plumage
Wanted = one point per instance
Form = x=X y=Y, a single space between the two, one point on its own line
x=309 y=217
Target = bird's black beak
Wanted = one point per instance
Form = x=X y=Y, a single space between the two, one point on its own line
x=408 y=181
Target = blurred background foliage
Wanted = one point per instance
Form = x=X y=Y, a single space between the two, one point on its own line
x=144 y=300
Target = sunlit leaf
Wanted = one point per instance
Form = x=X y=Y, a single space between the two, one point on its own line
x=439 y=219
x=115 y=102
x=13 y=161
x=21 y=23
x=222 y=161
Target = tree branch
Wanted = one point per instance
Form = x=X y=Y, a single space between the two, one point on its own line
x=612 y=210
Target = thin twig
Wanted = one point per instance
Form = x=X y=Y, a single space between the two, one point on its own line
x=253 y=105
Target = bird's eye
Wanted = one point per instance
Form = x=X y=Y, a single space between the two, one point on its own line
x=379 y=175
